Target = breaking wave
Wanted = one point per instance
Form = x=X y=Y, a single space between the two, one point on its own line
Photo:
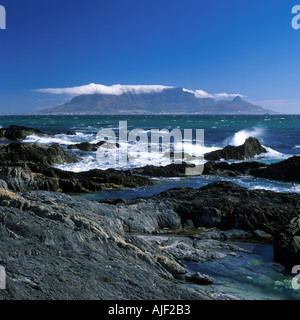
x=241 y=136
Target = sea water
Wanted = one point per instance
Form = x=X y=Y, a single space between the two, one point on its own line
x=248 y=275
x=279 y=134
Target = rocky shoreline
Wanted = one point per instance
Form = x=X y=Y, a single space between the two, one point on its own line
x=56 y=245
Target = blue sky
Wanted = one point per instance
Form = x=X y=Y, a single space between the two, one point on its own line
x=232 y=46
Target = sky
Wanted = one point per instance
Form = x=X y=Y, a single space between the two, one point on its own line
x=206 y=46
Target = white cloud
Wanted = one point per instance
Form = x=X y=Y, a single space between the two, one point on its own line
x=118 y=89
x=101 y=89
x=204 y=94
x=227 y=95
x=199 y=93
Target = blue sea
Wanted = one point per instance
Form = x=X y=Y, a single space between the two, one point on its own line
x=257 y=276
x=279 y=134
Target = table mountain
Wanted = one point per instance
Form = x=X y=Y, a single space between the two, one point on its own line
x=168 y=101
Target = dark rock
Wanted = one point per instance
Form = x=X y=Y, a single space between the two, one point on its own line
x=3 y=185
x=113 y=201
x=208 y=216
x=233 y=234
x=237 y=213
x=73 y=243
x=86 y=146
x=114 y=178
x=287 y=250
x=287 y=244
x=172 y=170
x=34 y=177
x=261 y=235
x=17 y=133
x=287 y=170
x=29 y=167
x=18 y=179
x=71 y=133
x=201 y=279
x=57 y=247
x=36 y=153
x=188 y=224
x=2 y=134
x=226 y=205
x=248 y=150
x=193 y=249
x=210 y=167
x=231 y=169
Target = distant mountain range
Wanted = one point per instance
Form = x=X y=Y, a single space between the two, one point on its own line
x=168 y=101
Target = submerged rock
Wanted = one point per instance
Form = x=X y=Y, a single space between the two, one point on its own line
x=248 y=150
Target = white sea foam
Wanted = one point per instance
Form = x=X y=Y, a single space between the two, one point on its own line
x=194 y=149
x=272 y=155
x=139 y=156
x=241 y=136
x=84 y=135
x=61 y=139
x=287 y=189
x=88 y=162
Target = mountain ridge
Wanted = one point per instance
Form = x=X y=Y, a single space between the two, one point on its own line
x=168 y=101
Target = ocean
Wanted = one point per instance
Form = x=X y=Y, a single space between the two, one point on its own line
x=256 y=276
x=279 y=134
